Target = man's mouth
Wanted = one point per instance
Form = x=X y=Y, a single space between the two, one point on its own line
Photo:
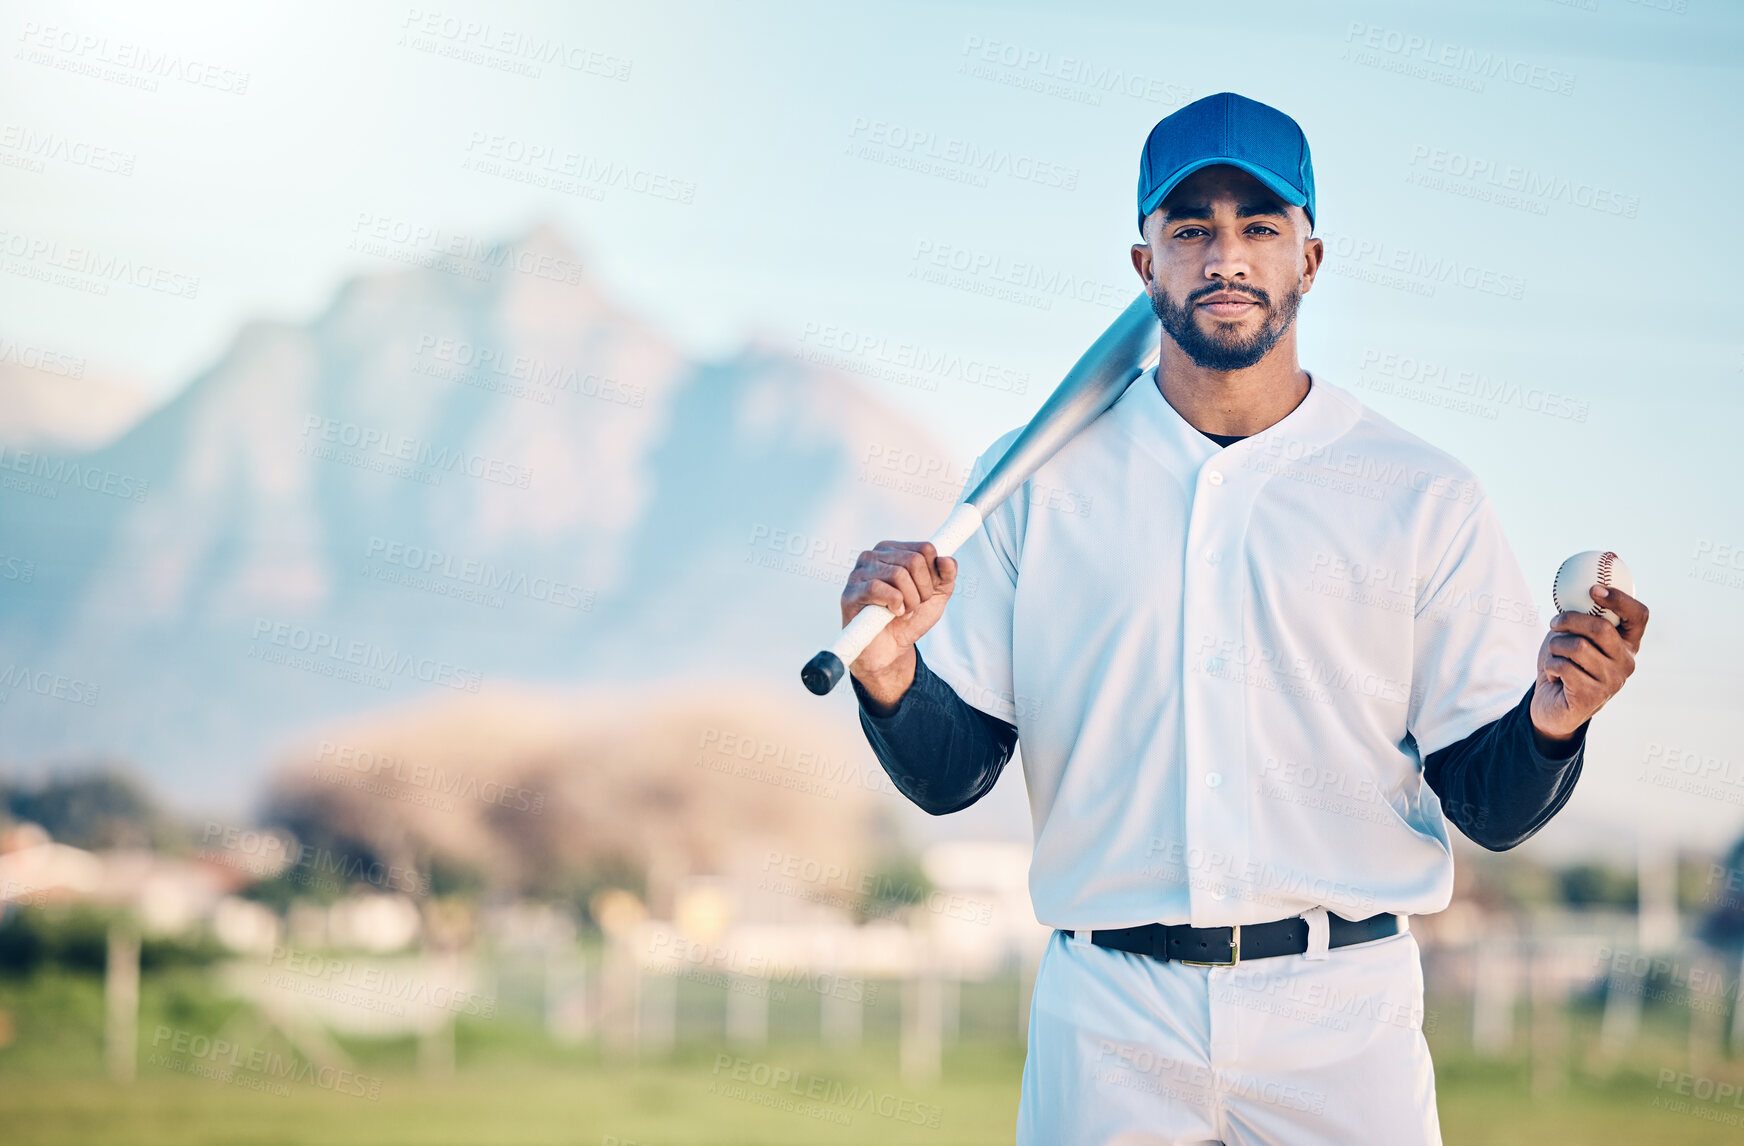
x=1227 y=304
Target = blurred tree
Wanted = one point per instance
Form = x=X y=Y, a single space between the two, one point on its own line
x=22 y=946
x=344 y=840
x=898 y=882
x=75 y=938
x=449 y=876
x=1506 y=881
x=99 y=808
x=576 y=889
x=1722 y=927
x=1597 y=885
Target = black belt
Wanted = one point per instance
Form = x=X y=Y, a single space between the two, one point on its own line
x=1227 y=946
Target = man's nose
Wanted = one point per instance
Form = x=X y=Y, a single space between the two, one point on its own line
x=1226 y=258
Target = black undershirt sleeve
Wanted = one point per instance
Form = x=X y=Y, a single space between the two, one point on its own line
x=1497 y=786
x=939 y=750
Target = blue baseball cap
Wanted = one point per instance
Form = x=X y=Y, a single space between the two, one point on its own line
x=1232 y=129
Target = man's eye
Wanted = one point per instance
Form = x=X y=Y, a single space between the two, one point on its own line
x=1262 y=227
x=1188 y=232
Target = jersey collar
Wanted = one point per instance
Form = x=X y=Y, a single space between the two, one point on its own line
x=1323 y=416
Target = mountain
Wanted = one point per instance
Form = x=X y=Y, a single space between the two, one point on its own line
x=468 y=472
x=49 y=401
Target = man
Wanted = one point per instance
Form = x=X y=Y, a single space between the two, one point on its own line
x=1285 y=646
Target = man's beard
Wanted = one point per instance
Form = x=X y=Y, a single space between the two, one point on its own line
x=1225 y=351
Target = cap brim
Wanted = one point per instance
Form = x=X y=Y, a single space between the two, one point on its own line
x=1274 y=182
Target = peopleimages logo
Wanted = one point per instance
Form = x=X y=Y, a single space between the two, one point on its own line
x=369 y=444
x=521 y=375
x=1071 y=78
x=475 y=574
x=824 y=1098
x=1527 y=181
x=371 y=987
x=220 y=1060
x=49 y=473
x=98 y=268
x=876 y=355
x=423 y=245
x=14 y=679
x=33 y=148
x=1009 y=280
x=506 y=49
x=901 y=145
x=1444 y=61
x=142 y=64
x=1419 y=376
x=36 y=358
x=1354 y=254
x=266 y=854
x=429 y=777
x=327 y=654
x=17 y=569
x=567 y=170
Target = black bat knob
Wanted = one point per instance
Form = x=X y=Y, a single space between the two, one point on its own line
x=823 y=672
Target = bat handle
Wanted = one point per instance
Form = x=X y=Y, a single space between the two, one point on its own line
x=824 y=671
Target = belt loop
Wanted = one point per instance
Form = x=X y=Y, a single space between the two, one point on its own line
x=1081 y=938
x=1319 y=933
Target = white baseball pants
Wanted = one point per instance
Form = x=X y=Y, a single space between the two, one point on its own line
x=1296 y=1050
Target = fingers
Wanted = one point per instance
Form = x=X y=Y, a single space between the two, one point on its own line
x=900 y=576
x=876 y=592
x=1584 y=657
x=1631 y=614
x=1615 y=658
x=941 y=571
x=919 y=567
x=1595 y=629
x=1582 y=696
x=903 y=580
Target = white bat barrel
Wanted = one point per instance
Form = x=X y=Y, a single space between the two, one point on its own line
x=1098 y=380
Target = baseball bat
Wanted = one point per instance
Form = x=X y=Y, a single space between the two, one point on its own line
x=1123 y=352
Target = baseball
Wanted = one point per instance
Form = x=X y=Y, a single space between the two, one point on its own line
x=1577 y=576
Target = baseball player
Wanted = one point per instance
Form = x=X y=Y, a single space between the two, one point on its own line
x=1261 y=647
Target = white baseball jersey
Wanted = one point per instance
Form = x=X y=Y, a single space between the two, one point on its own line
x=1227 y=664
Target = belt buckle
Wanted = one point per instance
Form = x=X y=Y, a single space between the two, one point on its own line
x=1234 y=953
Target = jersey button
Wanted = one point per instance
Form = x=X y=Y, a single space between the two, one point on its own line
x=1212 y=557
x=1217 y=894
x=1213 y=779
x=1214 y=477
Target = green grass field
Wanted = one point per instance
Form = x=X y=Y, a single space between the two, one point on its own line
x=513 y=1087
x=671 y=1103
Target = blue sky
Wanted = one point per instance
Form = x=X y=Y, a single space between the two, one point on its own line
x=1526 y=205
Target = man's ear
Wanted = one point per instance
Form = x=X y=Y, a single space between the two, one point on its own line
x=1313 y=251
x=1141 y=262
x=1141 y=254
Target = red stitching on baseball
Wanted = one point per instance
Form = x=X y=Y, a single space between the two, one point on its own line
x=1605 y=560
